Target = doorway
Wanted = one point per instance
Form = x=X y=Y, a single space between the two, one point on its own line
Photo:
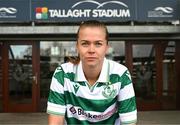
x=20 y=76
x=25 y=88
x=152 y=65
x=1 y=101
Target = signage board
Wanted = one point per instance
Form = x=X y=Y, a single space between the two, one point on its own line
x=79 y=10
x=157 y=10
x=15 y=10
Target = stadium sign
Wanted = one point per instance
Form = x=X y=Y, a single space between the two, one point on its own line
x=78 y=10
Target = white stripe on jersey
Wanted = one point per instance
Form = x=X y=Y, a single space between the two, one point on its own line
x=126 y=92
x=68 y=67
x=56 y=108
x=116 y=68
x=128 y=116
x=56 y=86
x=85 y=92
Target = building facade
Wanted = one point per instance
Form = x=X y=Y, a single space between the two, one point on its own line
x=37 y=36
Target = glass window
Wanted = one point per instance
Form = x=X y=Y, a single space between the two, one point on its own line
x=20 y=74
x=1 y=103
x=52 y=54
x=117 y=51
x=169 y=82
x=144 y=71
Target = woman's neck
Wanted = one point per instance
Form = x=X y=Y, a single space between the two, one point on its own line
x=92 y=74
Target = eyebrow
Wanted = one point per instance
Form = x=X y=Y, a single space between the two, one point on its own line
x=90 y=41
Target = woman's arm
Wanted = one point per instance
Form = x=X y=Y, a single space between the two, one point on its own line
x=55 y=120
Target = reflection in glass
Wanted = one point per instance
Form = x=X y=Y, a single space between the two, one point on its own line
x=144 y=72
x=52 y=54
x=116 y=51
x=169 y=82
x=1 y=103
x=20 y=73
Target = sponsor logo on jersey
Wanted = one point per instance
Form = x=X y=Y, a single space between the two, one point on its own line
x=76 y=88
x=90 y=116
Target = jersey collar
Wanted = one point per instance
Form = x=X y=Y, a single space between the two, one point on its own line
x=104 y=75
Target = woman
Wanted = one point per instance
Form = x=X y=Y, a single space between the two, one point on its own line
x=93 y=90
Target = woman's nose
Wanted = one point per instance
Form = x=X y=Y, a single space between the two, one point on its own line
x=91 y=48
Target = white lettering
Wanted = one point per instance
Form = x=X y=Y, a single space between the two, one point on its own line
x=125 y=13
x=110 y=13
x=95 y=13
x=70 y=13
x=87 y=13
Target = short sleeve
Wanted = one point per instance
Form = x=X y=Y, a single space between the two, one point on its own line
x=56 y=101
x=126 y=100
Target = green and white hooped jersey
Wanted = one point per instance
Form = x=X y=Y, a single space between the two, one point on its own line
x=111 y=101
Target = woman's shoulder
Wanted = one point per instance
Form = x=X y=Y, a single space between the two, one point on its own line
x=68 y=67
x=117 y=68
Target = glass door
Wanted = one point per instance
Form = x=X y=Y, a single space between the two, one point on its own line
x=1 y=101
x=21 y=87
x=146 y=68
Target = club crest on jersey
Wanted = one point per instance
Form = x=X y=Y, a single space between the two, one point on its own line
x=109 y=91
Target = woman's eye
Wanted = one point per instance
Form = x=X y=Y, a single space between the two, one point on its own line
x=98 y=44
x=84 y=44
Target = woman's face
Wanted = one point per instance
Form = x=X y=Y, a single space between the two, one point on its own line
x=92 y=46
